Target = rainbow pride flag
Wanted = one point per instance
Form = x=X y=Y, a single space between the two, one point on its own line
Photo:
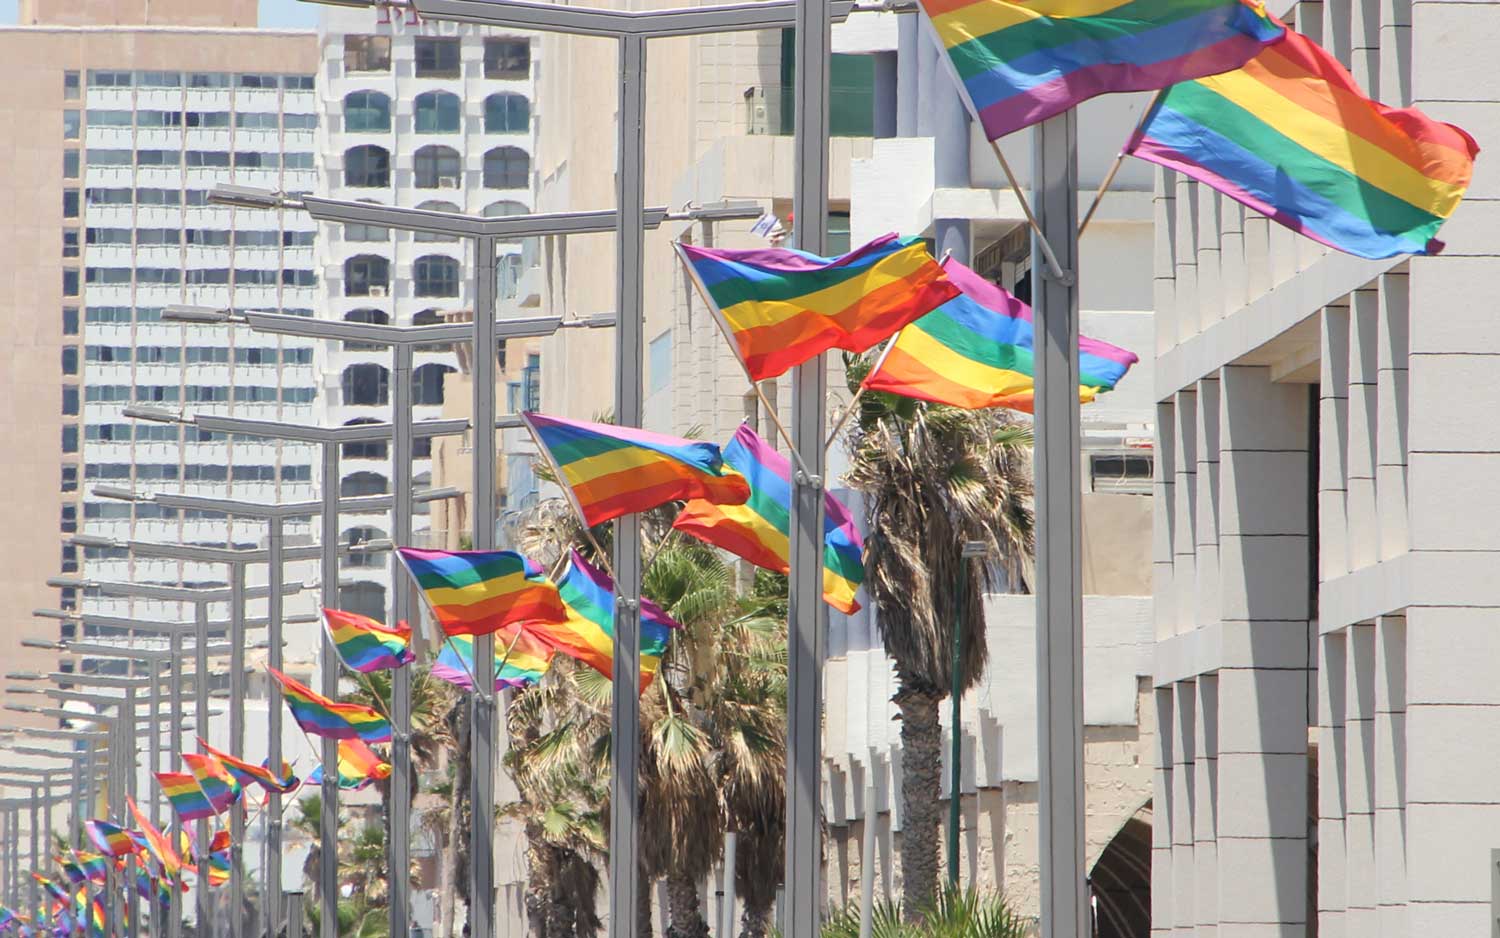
x=783 y=307
x=157 y=845
x=366 y=645
x=757 y=531
x=95 y=867
x=187 y=799
x=1020 y=63
x=588 y=635
x=71 y=871
x=358 y=767
x=247 y=772
x=472 y=592
x=610 y=471
x=1292 y=136
x=218 y=859
x=976 y=351
x=221 y=788
x=334 y=719
x=521 y=659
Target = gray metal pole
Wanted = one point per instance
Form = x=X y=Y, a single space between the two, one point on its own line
x=398 y=843
x=483 y=725
x=36 y=823
x=131 y=776
x=200 y=705
x=731 y=844
x=806 y=615
x=867 y=857
x=328 y=830
x=174 y=907
x=153 y=734
x=78 y=802
x=270 y=889
x=1059 y=579
x=625 y=709
x=236 y=747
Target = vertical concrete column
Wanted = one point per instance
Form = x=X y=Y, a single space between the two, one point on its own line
x=1359 y=453
x=1391 y=397
x=1232 y=269
x=1390 y=776
x=1258 y=279
x=1336 y=37
x=926 y=59
x=1206 y=508
x=1163 y=807
x=1395 y=52
x=1163 y=520
x=1332 y=902
x=907 y=63
x=1210 y=292
x=1359 y=779
x=1264 y=566
x=1184 y=529
x=887 y=95
x=1184 y=729
x=1364 y=44
x=1164 y=282
x=1185 y=309
x=1333 y=410
x=1205 y=806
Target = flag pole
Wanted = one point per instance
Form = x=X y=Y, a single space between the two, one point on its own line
x=1036 y=228
x=446 y=637
x=1114 y=167
x=860 y=391
x=508 y=649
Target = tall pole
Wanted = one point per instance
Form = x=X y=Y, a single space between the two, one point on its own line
x=131 y=779
x=398 y=843
x=625 y=710
x=1059 y=603
x=328 y=824
x=153 y=734
x=79 y=805
x=806 y=615
x=270 y=888
x=956 y=694
x=36 y=823
x=174 y=907
x=236 y=748
x=483 y=725
x=200 y=705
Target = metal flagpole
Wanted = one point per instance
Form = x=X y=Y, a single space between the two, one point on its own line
x=237 y=641
x=1059 y=603
x=200 y=706
x=398 y=843
x=806 y=614
x=328 y=825
x=270 y=887
x=625 y=705
x=174 y=908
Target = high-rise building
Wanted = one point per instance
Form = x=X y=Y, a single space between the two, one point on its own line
x=435 y=116
x=126 y=130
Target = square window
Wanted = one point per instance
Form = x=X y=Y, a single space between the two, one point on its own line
x=69 y=563
x=70 y=320
x=70 y=288
x=71 y=124
x=367 y=53
x=70 y=203
x=437 y=57
x=70 y=164
x=70 y=478
x=70 y=242
x=70 y=86
x=70 y=400
x=507 y=58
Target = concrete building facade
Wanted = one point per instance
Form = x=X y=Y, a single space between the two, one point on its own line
x=1324 y=599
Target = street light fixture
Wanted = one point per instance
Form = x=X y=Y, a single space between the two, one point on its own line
x=250 y=197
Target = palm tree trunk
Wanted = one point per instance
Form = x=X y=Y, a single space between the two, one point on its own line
x=756 y=921
x=683 y=905
x=449 y=902
x=921 y=780
x=643 y=906
x=538 y=884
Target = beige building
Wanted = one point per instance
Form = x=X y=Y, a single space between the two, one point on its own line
x=46 y=65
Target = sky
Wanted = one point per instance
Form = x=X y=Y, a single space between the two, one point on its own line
x=274 y=14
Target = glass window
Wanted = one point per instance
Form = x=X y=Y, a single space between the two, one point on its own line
x=354 y=536
x=437 y=112
x=368 y=316
x=159 y=118
x=367 y=167
x=70 y=359
x=70 y=400
x=366 y=232
x=70 y=288
x=208 y=237
x=70 y=320
x=437 y=57
x=297 y=239
x=367 y=53
x=297 y=82
x=427 y=383
x=507 y=113
x=435 y=275
x=70 y=242
x=437 y=206
x=70 y=164
x=71 y=125
x=70 y=438
x=257 y=81
x=174 y=158
x=158 y=79
x=365 y=274
x=838 y=233
x=256 y=120
x=366 y=112
x=69 y=481
x=297 y=160
x=207 y=119
x=437 y=167
x=507 y=58
x=366 y=385
x=208 y=80
x=257 y=160
x=299 y=121
x=70 y=86
x=364 y=598
x=110 y=157
x=507 y=168
x=99 y=118
x=106 y=79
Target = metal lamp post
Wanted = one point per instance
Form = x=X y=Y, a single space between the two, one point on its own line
x=970 y=551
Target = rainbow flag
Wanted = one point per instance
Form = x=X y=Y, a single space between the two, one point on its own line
x=1020 y=63
x=157 y=844
x=218 y=859
x=472 y=592
x=610 y=471
x=94 y=916
x=320 y=716
x=521 y=659
x=757 y=531
x=1292 y=136
x=784 y=307
x=7 y=916
x=95 y=867
x=71 y=871
x=51 y=888
x=187 y=799
x=366 y=645
x=358 y=767
x=221 y=788
x=976 y=351
x=589 y=632
x=246 y=772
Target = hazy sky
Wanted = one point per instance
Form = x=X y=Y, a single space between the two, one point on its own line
x=273 y=13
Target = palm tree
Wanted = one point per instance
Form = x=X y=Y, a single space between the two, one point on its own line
x=933 y=478
x=952 y=913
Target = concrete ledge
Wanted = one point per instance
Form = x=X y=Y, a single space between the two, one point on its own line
x=1361 y=596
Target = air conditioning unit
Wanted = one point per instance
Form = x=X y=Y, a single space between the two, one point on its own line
x=377 y=291
x=445 y=183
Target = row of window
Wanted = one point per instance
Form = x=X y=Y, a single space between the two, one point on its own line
x=196 y=472
x=195 y=393
x=119 y=276
x=439 y=56
x=141 y=195
x=124 y=315
x=206 y=237
x=369 y=385
x=101 y=78
x=218 y=159
x=432 y=275
x=505 y=208
x=150 y=433
x=436 y=112
x=436 y=167
x=251 y=120
x=197 y=355
x=144 y=511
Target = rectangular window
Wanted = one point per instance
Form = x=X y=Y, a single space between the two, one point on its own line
x=70 y=400
x=70 y=242
x=158 y=118
x=70 y=203
x=109 y=236
x=367 y=53
x=297 y=239
x=110 y=118
x=158 y=79
x=659 y=359
x=507 y=58
x=437 y=57
x=70 y=287
x=256 y=120
x=297 y=160
x=70 y=438
x=207 y=119
x=70 y=164
x=111 y=157
x=208 y=80
x=257 y=81
x=145 y=236
x=70 y=320
x=70 y=359
x=106 y=79
x=71 y=126
x=68 y=522
x=70 y=558
x=299 y=121
x=297 y=82
x=70 y=86
x=69 y=479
